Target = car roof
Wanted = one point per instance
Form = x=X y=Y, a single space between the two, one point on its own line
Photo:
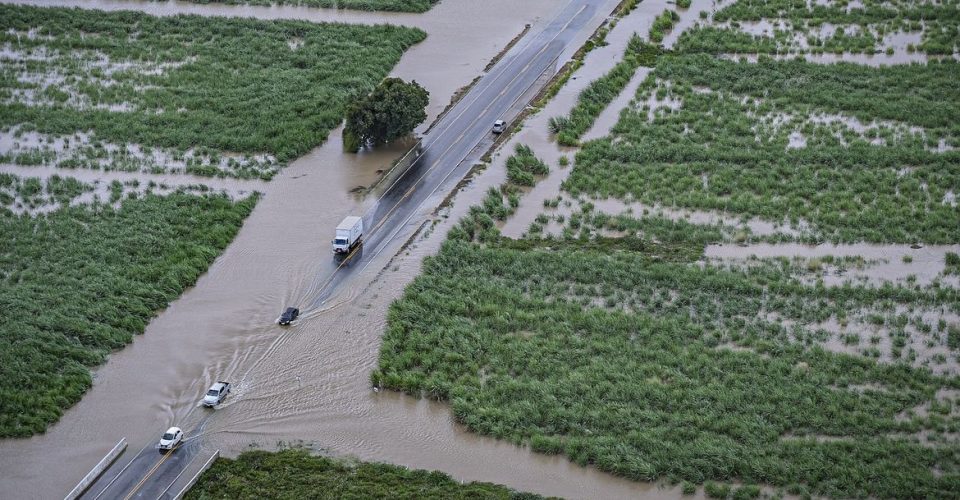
x=173 y=430
x=291 y=309
x=218 y=385
x=499 y=122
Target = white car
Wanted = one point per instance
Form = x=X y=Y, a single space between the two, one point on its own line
x=216 y=394
x=170 y=439
x=499 y=126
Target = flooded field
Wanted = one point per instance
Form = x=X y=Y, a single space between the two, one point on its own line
x=307 y=383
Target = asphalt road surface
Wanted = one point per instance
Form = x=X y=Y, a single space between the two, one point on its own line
x=441 y=165
x=443 y=162
x=148 y=475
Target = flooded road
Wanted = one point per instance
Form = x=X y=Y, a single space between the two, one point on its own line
x=308 y=382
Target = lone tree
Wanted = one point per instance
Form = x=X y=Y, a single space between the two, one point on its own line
x=390 y=112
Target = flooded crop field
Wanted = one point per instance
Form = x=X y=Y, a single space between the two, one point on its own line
x=713 y=264
x=223 y=325
x=734 y=274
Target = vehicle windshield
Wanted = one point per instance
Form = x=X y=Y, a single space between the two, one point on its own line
x=168 y=436
x=340 y=241
x=213 y=392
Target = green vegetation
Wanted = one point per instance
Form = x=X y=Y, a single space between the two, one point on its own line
x=384 y=5
x=390 y=112
x=230 y=84
x=648 y=365
x=868 y=23
x=82 y=281
x=728 y=148
x=663 y=24
x=637 y=354
x=717 y=40
x=952 y=262
x=296 y=474
x=523 y=170
x=32 y=193
x=601 y=92
x=523 y=166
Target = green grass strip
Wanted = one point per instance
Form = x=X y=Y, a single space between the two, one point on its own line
x=297 y=474
x=601 y=92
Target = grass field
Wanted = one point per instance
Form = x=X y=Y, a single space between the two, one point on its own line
x=296 y=474
x=81 y=281
x=182 y=82
x=839 y=153
x=650 y=366
x=384 y=5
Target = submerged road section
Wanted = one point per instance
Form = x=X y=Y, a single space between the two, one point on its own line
x=444 y=161
x=399 y=211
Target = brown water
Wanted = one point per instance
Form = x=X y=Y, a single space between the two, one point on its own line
x=310 y=381
x=893 y=263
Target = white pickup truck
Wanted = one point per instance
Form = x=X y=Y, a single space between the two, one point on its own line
x=349 y=234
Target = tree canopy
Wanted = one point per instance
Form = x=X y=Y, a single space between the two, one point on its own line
x=391 y=111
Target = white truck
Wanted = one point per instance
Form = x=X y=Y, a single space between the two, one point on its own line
x=349 y=234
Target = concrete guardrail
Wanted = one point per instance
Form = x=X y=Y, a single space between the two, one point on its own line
x=95 y=473
x=399 y=167
x=196 y=477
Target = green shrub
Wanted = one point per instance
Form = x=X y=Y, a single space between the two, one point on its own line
x=716 y=490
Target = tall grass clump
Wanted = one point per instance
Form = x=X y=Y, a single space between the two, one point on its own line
x=523 y=166
x=663 y=24
x=230 y=84
x=80 y=282
x=295 y=473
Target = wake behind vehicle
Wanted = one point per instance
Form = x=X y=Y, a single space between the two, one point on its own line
x=170 y=439
x=288 y=316
x=349 y=234
x=216 y=394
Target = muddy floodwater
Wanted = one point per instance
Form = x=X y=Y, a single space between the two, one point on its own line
x=307 y=383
